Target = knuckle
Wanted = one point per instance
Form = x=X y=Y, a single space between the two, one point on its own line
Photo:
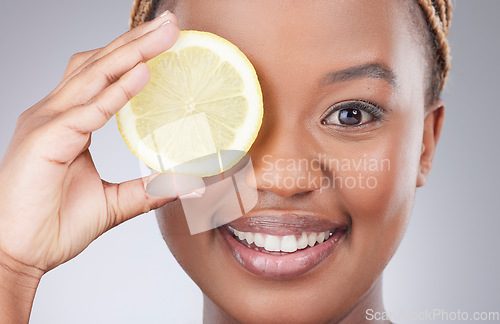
x=32 y=118
x=98 y=68
x=110 y=78
x=142 y=57
x=126 y=92
x=76 y=58
x=79 y=58
x=27 y=117
x=102 y=110
x=24 y=116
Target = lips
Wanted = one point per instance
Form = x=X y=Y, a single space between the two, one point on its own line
x=281 y=245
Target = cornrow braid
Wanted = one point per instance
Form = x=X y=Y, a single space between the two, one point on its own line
x=141 y=12
x=437 y=14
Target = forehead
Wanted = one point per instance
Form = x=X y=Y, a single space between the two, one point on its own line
x=289 y=38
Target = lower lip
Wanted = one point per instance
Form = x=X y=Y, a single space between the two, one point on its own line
x=281 y=266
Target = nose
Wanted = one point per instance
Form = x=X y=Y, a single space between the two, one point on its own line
x=284 y=160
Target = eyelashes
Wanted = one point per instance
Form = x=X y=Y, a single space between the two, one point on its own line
x=352 y=113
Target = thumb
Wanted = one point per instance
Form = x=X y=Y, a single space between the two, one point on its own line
x=129 y=199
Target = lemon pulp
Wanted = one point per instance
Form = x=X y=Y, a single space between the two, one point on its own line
x=203 y=97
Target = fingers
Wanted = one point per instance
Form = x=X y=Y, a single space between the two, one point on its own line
x=134 y=34
x=129 y=199
x=80 y=60
x=77 y=60
x=61 y=135
x=117 y=58
x=100 y=109
x=63 y=138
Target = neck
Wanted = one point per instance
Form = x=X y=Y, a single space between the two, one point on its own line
x=371 y=300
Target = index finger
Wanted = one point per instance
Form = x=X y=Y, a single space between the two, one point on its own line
x=95 y=77
x=122 y=40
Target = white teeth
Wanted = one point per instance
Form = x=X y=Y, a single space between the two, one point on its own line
x=302 y=241
x=273 y=243
x=250 y=237
x=312 y=238
x=287 y=243
x=260 y=240
x=321 y=237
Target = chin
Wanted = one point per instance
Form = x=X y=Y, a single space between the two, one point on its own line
x=284 y=266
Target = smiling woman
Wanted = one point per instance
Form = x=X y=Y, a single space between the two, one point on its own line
x=344 y=80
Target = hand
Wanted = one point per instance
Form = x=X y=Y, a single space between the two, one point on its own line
x=53 y=203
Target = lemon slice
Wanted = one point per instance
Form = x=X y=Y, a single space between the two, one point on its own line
x=203 y=98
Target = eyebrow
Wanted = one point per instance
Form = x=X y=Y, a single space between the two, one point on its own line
x=370 y=70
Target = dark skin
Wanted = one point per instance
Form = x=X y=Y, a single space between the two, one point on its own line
x=292 y=53
x=55 y=203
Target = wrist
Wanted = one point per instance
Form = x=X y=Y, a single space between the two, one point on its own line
x=18 y=284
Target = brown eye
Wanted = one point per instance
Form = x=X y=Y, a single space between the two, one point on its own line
x=351 y=114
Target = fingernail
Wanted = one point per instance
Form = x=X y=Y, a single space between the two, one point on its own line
x=166 y=22
x=169 y=185
x=165 y=13
x=195 y=194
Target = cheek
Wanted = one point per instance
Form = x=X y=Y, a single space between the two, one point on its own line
x=376 y=185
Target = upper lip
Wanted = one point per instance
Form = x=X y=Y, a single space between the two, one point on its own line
x=286 y=222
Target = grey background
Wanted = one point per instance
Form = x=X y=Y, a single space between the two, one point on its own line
x=448 y=260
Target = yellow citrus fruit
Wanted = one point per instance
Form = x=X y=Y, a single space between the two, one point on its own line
x=203 y=98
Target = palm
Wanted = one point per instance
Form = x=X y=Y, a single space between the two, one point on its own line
x=61 y=223
x=83 y=211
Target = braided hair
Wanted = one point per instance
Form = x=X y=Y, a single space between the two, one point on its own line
x=436 y=12
x=438 y=16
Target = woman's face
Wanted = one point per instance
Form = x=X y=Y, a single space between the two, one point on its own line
x=340 y=150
